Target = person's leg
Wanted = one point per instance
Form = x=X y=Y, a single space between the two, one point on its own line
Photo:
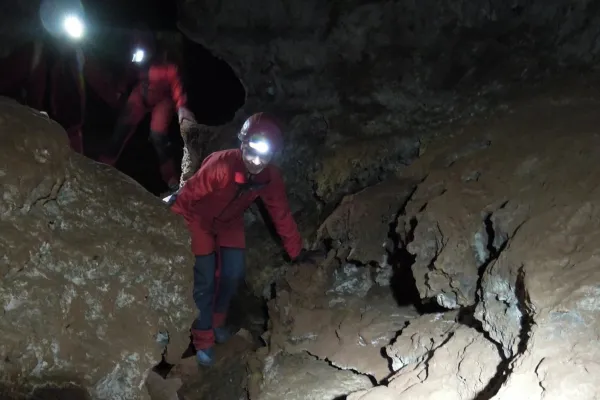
x=231 y=271
x=129 y=119
x=162 y=113
x=203 y=337
x=233 y=268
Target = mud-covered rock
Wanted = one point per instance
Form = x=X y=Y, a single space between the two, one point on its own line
x=303 y=377
x=361 y=223
x=348 y=329
x=95 y=271
x=517 y=243
x=443 y=360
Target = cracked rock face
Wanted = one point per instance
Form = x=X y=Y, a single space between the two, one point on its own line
x=517 y=243
x=302 y=377
x=504 y=239
x=447 y=361
x=93 y=268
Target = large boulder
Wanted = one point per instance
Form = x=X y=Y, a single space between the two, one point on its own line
x=95 y=271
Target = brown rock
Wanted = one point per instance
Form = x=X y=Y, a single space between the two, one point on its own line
x=528 y=226
x=93 y=267
x=362 y=221
x=301 y=377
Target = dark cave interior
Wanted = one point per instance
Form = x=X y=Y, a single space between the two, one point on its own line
x=214 y=91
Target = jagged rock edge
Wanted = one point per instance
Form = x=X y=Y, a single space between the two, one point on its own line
x=333 y=365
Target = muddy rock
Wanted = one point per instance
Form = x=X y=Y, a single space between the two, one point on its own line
x=302 y=377
x=349 y=332
x=516 y=245
x=95 y=272
x=361 y=223
x=444 y=361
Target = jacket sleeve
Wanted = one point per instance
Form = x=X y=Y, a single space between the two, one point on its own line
x=212 y=175
x=277 y=204
x=177 y=91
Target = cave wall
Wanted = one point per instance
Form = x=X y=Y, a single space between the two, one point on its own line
x=358 y=82
x=363 y=86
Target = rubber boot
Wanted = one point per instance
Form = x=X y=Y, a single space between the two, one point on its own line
x=222 y=335
x=206 y=357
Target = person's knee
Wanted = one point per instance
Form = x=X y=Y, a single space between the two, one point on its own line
x=233 y=263
x=204 y=276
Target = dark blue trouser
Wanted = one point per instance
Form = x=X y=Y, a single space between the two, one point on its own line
x=212 y=295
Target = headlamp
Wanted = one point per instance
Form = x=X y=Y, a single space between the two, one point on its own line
x=138 y=56
x=73 y=26
x=260 y=146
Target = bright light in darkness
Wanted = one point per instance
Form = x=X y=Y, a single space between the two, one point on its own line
x=138 y=56
x=73 y=26
x=261 y=147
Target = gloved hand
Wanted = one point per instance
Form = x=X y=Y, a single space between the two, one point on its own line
x=309 y=257
x=185 y=114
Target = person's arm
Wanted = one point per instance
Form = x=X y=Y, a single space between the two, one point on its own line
x=212 y=175
x=177 y=90
x=275 y=199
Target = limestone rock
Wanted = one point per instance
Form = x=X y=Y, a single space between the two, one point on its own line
x=93 y=271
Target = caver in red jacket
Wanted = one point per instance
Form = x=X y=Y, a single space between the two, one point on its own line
x=158 y=90
x=213 y=202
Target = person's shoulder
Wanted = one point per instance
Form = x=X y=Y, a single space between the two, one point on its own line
x=222 y=161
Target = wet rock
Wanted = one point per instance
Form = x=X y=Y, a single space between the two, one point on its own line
x=303 y=377
x=93 y=269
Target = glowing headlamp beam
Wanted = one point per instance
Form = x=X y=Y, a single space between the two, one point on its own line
x=73 y=26
x=261 y=147
x=138 y=56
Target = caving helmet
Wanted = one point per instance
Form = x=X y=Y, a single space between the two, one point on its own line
x=261 y=138
x=142 y=46
x=63 y=18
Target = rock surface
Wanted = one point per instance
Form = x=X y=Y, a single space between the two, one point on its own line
x=93 y=267
x=513 y=249
x=301 y=377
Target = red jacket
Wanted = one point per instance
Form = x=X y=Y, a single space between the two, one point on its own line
x=158 y=81
x=219 y=193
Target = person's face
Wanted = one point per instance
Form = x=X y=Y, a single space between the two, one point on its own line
x=256 y=154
